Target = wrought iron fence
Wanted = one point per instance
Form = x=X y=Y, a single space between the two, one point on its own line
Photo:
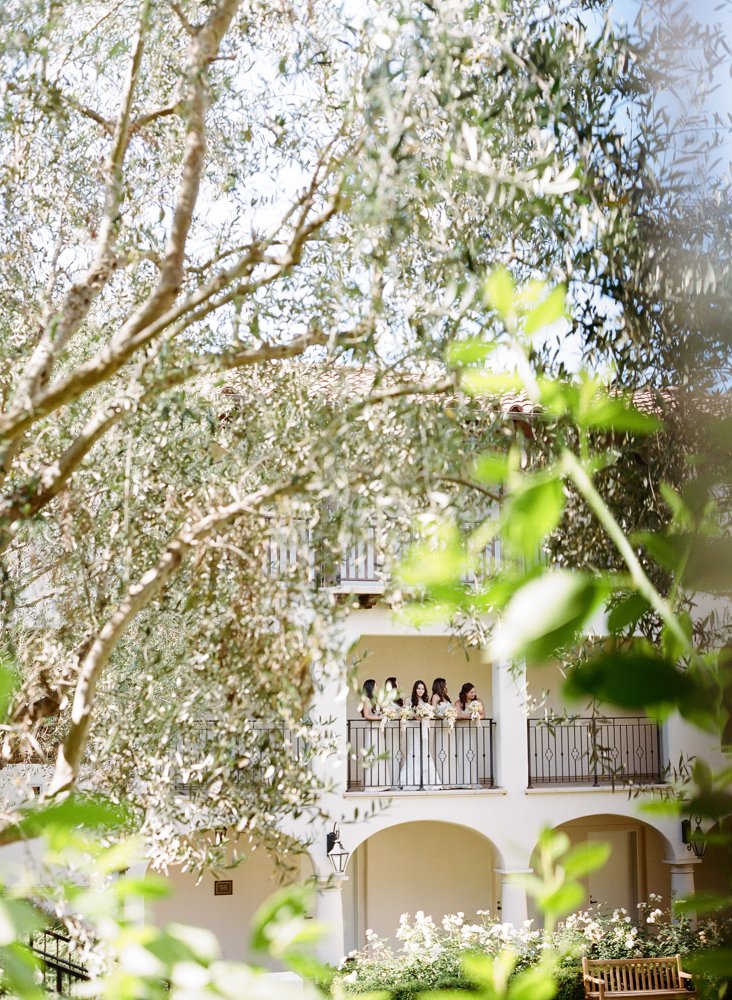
x=252 y=755
x=594 y=751
x=420 y=756
x=292 y=546
x=61 y=970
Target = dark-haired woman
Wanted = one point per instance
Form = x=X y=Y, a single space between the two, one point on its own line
x=467 y=696
x=442 y=742
x=468 y=708
x=421 y=771
x=392 y=693
x=394 y=733
x=368 y=737
x=440 y=697
x=419 y=694
x=369 y=707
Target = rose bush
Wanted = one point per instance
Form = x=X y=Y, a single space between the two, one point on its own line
x=430 y=956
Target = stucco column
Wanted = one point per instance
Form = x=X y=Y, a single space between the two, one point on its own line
x=682 y=879
x=509 y=712
x=329 y=911
x=513 y=895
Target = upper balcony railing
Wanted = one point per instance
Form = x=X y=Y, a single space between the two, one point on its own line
x=362 y=568
x=253 y=756
x=594 y=751
x=420 y=756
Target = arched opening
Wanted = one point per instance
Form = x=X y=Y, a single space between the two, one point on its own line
x=228 y=915
x=635 y=868
x=431 y=866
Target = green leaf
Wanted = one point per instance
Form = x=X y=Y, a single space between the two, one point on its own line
x=547 y=614
x=468 y=352
x=425 y=567
x=282 y=924
x=536 y=983
x=9 y=682
x=499 y=291
x=614 y=414
x=585 y=858
x=563 y=900
x=628 y=611
x=547 y=312
x=709 y=567
x=533 y=511
x=478 y=382
x=19 y=969
x=667 y=550
x=633 y=679
x=17 y=920
x=490 y=468
x=717 y=963
x=92 y=812
x=702 y=902
x=683 y=517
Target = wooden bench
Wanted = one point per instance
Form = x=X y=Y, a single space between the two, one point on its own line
x=635 y=977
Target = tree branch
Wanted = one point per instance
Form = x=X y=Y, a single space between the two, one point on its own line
x=138 y=597
x=31 y=407
x=47 y=484
x=140 y=594
x=62 y=326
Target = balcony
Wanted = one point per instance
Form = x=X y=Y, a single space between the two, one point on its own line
x=420 y=756
x=292 y=548
x=248 y=757
x=594 y=752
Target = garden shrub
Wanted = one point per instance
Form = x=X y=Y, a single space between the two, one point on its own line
x=431 y=958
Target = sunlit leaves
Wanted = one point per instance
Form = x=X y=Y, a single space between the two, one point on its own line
x=627 y=612
x=558 y=867
x=532 y=511
x=547 y=614
x=635 y=678
x=549 y=311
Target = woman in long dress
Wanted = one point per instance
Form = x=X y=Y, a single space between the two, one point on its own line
x=368 y=747
x=468 y=708
x=442 y=749
x=420 y=766
x=396 y=743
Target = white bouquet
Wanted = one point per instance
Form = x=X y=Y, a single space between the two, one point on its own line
x=423 y=710
x=389 y=713
x=476 y=710
x=405 y=714
x=450 y=713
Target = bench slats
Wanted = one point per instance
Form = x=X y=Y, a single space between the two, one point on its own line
x=635 y=977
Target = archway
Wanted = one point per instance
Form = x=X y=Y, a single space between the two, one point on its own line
x=432 y=866
x=198 y=901
x=636 y=866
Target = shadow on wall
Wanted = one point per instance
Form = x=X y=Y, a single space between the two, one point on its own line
x=227 y=914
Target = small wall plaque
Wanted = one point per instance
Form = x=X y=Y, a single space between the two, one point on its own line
x=223 y=887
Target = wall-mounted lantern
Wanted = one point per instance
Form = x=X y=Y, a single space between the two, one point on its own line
x=336 y=852
x=694 y=840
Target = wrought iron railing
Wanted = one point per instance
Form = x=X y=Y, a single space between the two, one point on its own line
x=293 y=546
x=246 y=756
x=420 y=756
x=594 y=751
x=61 y=971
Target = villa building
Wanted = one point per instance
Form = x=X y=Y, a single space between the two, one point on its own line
x=445 y=817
